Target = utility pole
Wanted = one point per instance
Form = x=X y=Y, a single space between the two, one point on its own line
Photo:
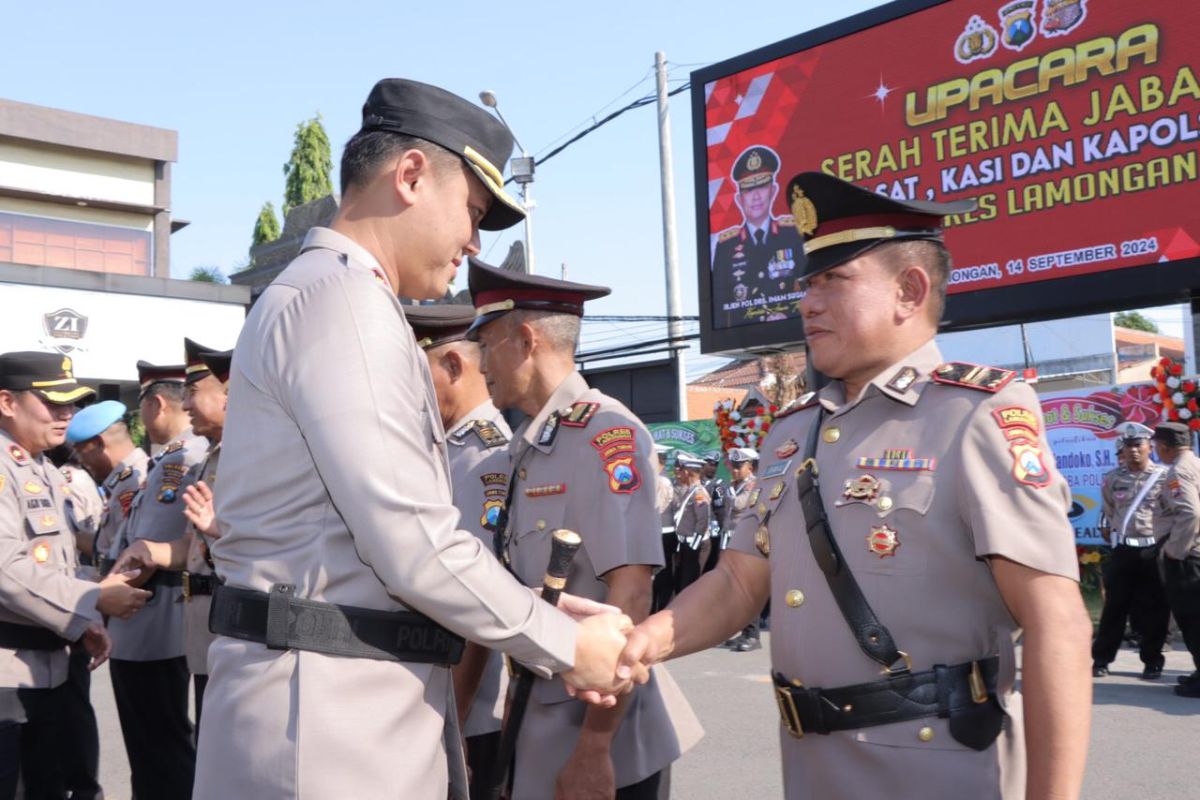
x=670 y=245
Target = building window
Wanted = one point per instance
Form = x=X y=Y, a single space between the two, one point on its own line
x=44 y=242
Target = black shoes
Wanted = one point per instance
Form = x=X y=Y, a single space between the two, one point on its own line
x=1099 y=671
x=1183 y=680
x=747 y=644
x=1151 y=673
x=1190 y=689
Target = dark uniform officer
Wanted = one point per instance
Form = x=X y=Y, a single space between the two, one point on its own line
x=1133 y=589
x=718 y=492
x=43 y=605
x=756 y=264
x=901 y=517
x=693 y=516
x=581 y=461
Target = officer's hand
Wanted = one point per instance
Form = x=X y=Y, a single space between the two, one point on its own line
x=643 y=644
x=138 y=557
x=599 y=642
x=118 y=598
x=587 y=775
x=198 y=508
x=578 y=608
x=96 y=642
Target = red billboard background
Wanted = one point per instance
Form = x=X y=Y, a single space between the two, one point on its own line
x=1074 y=123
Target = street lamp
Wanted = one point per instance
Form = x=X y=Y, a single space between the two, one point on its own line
x=522 y=173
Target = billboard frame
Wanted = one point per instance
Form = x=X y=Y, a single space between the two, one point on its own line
x=1122 y=289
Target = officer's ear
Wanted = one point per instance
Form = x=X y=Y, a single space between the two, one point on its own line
x=452 y=362
x=912 y=290
x=527 y=336
x=411 y=169
x=8 y=404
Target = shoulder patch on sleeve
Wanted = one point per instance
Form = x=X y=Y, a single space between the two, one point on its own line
x=800 y=403
x=972 y=376
x=173 y=447
x=613 y=442
x=728 y=233
x=580 y=414
x=489 y=433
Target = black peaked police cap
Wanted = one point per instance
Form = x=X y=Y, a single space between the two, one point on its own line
x=50 y=375
x=840 y=221
x=495 y=292
x=438 y=324
x=435 y=115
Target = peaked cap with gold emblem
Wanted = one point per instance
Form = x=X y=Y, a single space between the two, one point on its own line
x=840 y=221
x=417 y=109
x=755 y=167
x=51 y=375
x=194 y=367
x=495 y=292
x=440 y=323
x=151 y=374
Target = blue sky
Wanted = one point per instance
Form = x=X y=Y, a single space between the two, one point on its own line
x=234 y=79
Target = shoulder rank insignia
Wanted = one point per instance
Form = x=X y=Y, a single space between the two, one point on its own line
x=728 y=233
x=489 y=433
x=126 y=474
x=972 y=376
x=800 y=403
x=173 y=447
x=18 y=454
x=580 y=414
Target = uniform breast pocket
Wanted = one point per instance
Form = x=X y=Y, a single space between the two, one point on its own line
x=896 y=539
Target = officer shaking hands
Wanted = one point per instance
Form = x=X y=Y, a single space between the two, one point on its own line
x=907 y=525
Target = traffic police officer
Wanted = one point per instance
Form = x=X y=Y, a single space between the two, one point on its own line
x=335 y=490
x=1133 y=590
x=43 y=605
x=756 y=264
x=693 y=514
x=148 y=670
x=742 y=461
x=909 y=518
x=477 y=442
x=103 y=445
x=1181 y=550
x=710 y=551
x=581 y=461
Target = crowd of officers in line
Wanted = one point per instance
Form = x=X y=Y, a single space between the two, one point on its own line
x=1150 y=514
x=908 y=525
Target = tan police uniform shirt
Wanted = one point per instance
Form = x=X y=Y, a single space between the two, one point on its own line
x=196 y=636
x=1145 y=520
x=120 y=487
x=38 y=562
x=478 y=451
x=156 y=631
x=1183 y=499
x=334 y=478
x=584 y=463
x=922 y=482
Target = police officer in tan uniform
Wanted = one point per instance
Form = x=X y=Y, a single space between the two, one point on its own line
x=103 y=445
x=1133 y=589
x=1181 y=550
x=206 y=372
x=477 y=444
x=148 y=668
x=909 y=524
x=581 y=461
x=43 y=605
x=335 y=489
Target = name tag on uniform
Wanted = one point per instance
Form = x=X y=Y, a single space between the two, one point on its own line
x=775 y=470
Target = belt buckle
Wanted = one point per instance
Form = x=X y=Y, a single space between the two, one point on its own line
x=185 y=580
x=888 y=670
x=788 y=711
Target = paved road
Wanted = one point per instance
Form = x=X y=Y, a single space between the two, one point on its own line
x=1143 y=736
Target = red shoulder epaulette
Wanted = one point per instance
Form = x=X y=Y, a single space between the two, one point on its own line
x=972 y=376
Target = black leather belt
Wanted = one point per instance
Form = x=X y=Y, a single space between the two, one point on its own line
x=282 y=621
x=953 y=692
x=15 y=636
x=163 y=577
x=195 y=585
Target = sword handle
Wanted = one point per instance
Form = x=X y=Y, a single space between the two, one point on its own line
x=564 y=544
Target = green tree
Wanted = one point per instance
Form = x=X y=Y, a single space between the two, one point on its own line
x=308 y=169
x=266 y=227
x=1135 y=321
x=208 y=275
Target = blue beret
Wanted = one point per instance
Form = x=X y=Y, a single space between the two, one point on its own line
x=94 y=420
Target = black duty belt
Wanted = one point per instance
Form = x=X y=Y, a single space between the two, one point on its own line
x=955 y=692
x=282 y=621
x=162 y=577
x=195 y=585
x=15 y=636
